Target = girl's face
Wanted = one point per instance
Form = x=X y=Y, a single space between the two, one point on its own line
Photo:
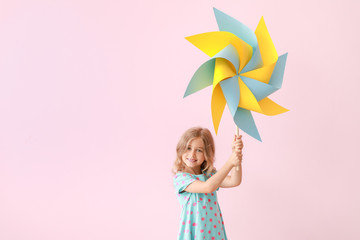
x=194 y=155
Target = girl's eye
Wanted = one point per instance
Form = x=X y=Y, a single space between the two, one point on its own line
x=189 y=148
x=199 y=150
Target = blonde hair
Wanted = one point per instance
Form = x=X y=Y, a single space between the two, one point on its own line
x=207 y=166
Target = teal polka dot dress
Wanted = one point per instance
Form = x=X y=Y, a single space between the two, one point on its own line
x=201 y=216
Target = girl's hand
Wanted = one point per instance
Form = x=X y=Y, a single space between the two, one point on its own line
x=236 y=156
x=237 y=143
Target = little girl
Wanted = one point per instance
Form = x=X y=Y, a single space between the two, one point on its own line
x=196 y=182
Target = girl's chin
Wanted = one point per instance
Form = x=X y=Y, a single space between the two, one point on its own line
x=192 y=165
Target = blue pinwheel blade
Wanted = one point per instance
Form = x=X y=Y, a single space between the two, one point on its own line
x=230 y=53
x=245 y=121
x=202 y=78
x=230 y=24
x=259 y=89
x=278 y=72
x=254 y=63
x=231 y=90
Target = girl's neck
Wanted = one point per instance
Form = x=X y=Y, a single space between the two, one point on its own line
x=193 y=171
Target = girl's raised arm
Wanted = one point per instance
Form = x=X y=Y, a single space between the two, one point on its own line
x=216 y=180
x=236 y=174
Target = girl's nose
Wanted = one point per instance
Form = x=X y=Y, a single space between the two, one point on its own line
x=192 y=153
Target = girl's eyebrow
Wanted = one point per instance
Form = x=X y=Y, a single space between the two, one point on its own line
x=198 y=147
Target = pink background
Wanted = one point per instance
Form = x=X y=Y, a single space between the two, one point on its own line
x=91 y=110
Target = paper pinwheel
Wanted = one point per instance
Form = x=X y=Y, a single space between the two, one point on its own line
x=244 y=70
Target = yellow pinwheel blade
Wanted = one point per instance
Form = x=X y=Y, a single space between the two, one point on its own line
x=247 y=99
x=266 y=45
x=270 y=108
x=213 y=42
x=217 y=106
x=262 y=74
x=223 y=69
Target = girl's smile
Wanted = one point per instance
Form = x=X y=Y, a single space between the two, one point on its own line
x=192 y=160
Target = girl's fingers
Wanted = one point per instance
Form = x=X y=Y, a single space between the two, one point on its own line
x=238 y=137
x=239 y=147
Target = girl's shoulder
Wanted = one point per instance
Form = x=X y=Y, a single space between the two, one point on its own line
x=181 y=175
x=186 y=174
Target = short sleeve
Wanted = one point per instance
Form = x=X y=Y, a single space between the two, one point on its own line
x=182 y=180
